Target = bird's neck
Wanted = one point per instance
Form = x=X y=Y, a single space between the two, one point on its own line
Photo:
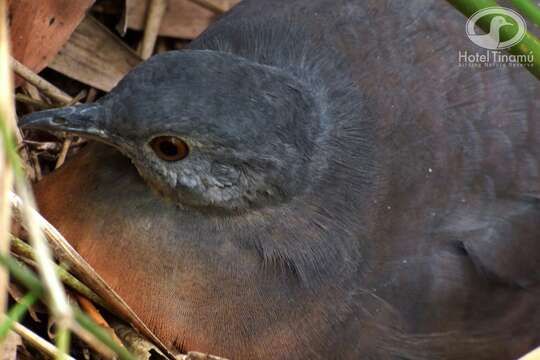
x=494 y=32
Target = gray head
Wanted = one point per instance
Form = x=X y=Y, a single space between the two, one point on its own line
x=204 y=128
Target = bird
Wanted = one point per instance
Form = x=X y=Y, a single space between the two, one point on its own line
x=492 y=40
x=314 y=180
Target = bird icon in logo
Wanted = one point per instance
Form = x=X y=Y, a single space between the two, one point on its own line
x=492 y=40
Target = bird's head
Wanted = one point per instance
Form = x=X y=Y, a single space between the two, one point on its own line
x=498 y=22
x=206 y=129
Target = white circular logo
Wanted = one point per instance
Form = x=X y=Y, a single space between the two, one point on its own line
x=501 y=17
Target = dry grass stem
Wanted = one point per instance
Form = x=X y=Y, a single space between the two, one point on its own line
x=63 y=153
x=91 y=97
x=37 y=168
x=26 y=254
x=25 y=205
x=39 y=104
x=69 y=140
x=91 y=341
x=38 y=342
x=156 y=11
x=48 y=89
x=32 y=91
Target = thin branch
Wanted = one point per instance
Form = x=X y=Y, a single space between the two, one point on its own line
x=63 y=153
x=25 y=204
x=37 y=341
x=69 y=140
x=25 y=99
x=48 y=89
x=102 y=335
x=17 y=312
x=25 y=250
x=92 y=342
x=156 y=11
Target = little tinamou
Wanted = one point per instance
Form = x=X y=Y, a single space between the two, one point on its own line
x=315 y=179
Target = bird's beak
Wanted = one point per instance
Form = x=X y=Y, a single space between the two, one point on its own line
x=86 y=120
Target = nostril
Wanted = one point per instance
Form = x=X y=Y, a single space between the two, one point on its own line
x=59 y=120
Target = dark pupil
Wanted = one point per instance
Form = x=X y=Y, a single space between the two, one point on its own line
x=168 y=149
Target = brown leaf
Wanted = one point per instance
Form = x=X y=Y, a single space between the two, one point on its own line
x=40 y=28
x=9 y=346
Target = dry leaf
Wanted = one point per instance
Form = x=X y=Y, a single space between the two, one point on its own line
x=9 y=346
x=184 y=19
x=101 y=69
x=35 y=23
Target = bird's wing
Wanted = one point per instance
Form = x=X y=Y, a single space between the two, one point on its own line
x=506 y=245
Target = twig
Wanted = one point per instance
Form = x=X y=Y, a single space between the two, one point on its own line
x=35 y=161
x=26 y=277
x=67 y=142
x=90 y=339
x=42 y=105
x=58 y=300
x=63 y=153
x=33 y=167
x=42 y=84
x=33 y=92
x=156 y=10
x=17 y=312
x=25 y=250
x=92 y=93
x=208 y=4
x=102 y=336
x=137 y=344
x=77 y=98
x=37 y=342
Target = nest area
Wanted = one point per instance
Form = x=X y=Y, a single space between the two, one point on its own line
x=64 y=53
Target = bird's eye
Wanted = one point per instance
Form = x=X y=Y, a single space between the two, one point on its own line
x=169 y=148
